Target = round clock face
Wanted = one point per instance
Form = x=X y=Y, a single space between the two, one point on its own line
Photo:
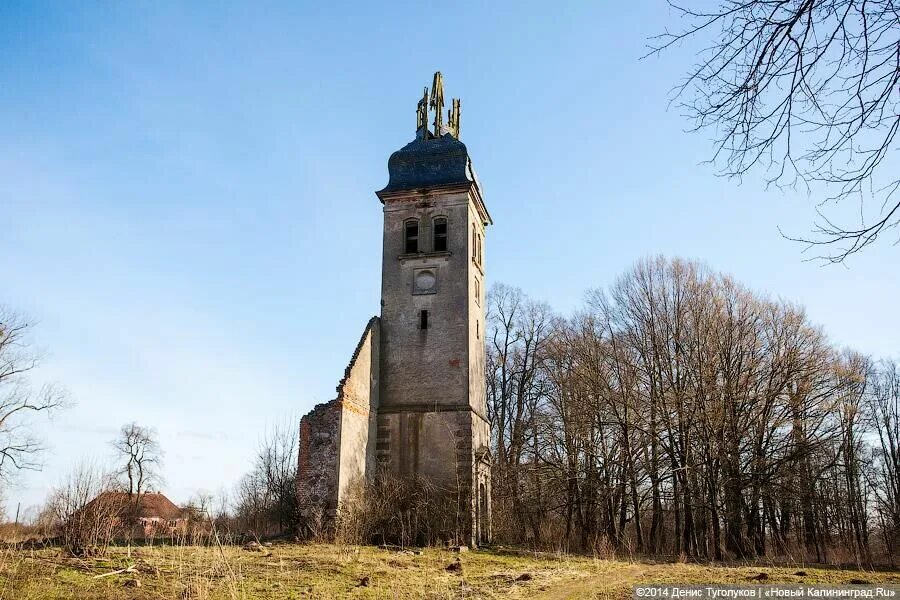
x=425 y=281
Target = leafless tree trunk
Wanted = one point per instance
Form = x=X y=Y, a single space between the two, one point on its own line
x=884 y=406
x=140 y=458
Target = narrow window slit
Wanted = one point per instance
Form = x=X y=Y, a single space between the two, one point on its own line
x=423 y=319
x=411 y=237
x=440 y=235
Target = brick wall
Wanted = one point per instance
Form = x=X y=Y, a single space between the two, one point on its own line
x=317 y=465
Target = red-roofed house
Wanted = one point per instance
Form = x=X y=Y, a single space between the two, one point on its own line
x=155 y=513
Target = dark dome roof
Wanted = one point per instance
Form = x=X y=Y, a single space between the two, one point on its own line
x=429 y=162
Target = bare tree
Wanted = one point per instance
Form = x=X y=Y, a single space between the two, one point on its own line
x=19 y=448
x=276 y=463
x=680 y=413
x=201 y=503
x=809 y=90
x=517 y=335
x=884 y=405
x=83 y=511
x=140 y=458
x=266 y=497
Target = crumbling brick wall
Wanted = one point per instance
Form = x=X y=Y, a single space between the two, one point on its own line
x=317 y=466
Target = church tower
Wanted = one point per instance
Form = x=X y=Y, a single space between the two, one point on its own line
x=411 y=407
x=432 y=421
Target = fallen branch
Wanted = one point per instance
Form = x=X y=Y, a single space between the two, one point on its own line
x=130 y=569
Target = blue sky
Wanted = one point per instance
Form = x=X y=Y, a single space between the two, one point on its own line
x=187 y=206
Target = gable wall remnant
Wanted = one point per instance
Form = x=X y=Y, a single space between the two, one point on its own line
x=336 y=448
x=358 y=397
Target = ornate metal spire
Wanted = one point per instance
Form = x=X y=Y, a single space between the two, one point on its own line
x=422 y=112
x=437 y=102
x=453 y=118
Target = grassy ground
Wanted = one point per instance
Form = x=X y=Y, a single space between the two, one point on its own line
x=328 y=571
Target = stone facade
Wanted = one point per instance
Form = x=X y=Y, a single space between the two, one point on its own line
x=412 y=403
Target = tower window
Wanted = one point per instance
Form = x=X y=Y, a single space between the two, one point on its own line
x=440 y=234
x=474 y=242
x=411 y=236
x=423 y=319
x=477 y=292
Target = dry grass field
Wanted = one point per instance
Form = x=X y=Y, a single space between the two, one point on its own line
x=329 y=571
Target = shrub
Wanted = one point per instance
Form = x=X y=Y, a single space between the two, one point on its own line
x=401 y=511
x=86 y=517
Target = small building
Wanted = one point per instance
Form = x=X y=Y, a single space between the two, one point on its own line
x=151 y=513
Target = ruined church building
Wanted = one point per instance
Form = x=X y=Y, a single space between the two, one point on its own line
x=412 y=402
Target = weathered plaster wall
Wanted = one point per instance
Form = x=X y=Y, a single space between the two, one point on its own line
x=481 y=480
x=476 y=305
x=479 y=434
x=426 y=444
x=425 y=368
x=358 y=397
